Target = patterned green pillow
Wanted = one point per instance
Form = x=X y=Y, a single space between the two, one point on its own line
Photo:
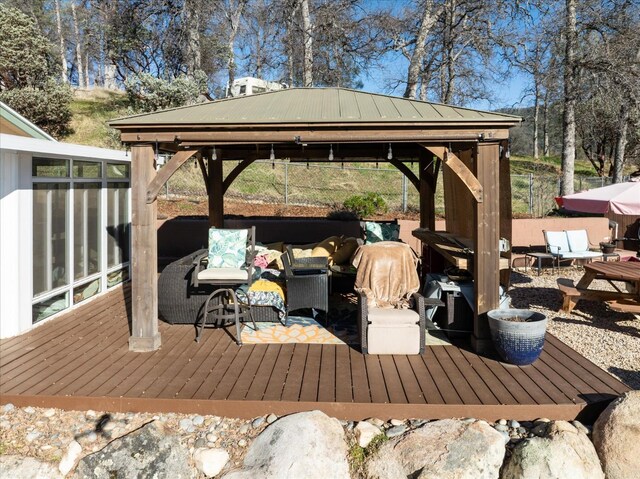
x=227 y=248
x=375 y=232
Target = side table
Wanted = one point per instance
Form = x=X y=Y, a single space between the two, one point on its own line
x=606 y=256
x=539 y=257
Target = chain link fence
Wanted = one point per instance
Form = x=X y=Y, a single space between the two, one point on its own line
x=329 y=185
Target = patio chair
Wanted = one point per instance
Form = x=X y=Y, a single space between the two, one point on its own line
x=307 y=281
x=569 y=245
x=228 y=262
x=391 y=317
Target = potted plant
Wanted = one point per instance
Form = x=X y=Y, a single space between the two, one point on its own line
x=517 y=334
x=607 y=248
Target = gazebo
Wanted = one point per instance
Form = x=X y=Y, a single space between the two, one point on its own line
x=306 y=124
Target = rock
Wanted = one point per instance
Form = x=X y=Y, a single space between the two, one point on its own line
x=197 y=421
x=365 y=432
x=257 y=422
x=211 y=437
x=417 y=422
x=49 y=412
x=32 y=436
x=90 y=414
x=242 y=443
x=616 y=435
x=541 y=420
x=396 y=422
x=514 y=424
x=200 y=442
x=581 y=427
x=501 y=427
x=8 y=407
x=561 y=453
x=446 y=449
x=271 y=418
x=540 y=429
x=17 y=467
x=396 y=431
x=185 y=424
x=308 y=444
x=210 y=461
x=502 y=422
x=244 y=429
x=375 y=421
x=29 y=410
x=71 y=456
x=146 y=452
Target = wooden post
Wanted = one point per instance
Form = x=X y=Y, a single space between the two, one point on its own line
x=505 y=208
x=216 y=191
x=144 y=254
x=427 y=191
x=487 y=235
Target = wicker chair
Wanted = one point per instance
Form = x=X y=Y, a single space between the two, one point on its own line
x=307 y=282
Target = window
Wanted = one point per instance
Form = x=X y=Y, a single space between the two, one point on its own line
x=80 y=231
x=50 y=232
x=86 y=229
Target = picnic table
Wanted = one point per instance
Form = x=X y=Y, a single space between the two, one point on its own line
x=618 y=300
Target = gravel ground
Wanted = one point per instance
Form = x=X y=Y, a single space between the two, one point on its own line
x=607 y=338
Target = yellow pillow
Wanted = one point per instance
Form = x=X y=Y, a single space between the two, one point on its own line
x=327 y=247
x=344 y=253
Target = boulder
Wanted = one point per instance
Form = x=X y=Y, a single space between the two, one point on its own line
x=146 y=452
x=18 y=467
x=446 y=449
x=562 y=451
x=616 y=436
x=309 y=444
x=365 y=432
x=210 y=461
x=70 y=457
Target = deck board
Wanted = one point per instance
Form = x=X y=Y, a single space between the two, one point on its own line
x=81 y=359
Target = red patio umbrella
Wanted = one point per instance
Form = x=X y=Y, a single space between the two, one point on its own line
x=619 y=198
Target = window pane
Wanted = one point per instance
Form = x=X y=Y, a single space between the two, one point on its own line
x=117 y=223
x=50 y=225
x=49 y=167
x=87 y=169
x=85 y=291
x=116 y=277
x=86 y=230
x=117 y=170
x=49 y=307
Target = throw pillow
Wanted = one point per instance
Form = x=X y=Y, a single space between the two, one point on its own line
x=375 y=232
x=326 y=247
x=344 y=252
x=227 y=248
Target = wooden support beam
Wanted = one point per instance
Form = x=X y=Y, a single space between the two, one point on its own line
x=203 y=170
x=460 y=169
x=233 y=174
x=406 y=171
x=144 y=254
x=216 y=191
x=161 y=177
x=487 y=235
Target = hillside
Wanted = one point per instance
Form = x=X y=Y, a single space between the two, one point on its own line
x=91 y=111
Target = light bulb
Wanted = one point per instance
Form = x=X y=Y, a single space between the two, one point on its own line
x=330 y=152
x=272 y=155
x=390 y=153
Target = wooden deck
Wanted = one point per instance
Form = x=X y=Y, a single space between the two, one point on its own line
x=81 y=361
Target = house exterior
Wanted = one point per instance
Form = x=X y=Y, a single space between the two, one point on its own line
x=64 y=226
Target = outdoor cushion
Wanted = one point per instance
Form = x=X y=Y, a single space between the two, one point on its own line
x=581 y=254
x=375 y=232
x=344 y=253
x=391 y=316
x=393 y=339
x=578 y=240
x=227 y=248
x=223 y=273
x=326 y=247
x=557 y=242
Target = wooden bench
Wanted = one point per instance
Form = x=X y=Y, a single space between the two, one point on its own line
x=625 y=306
x=623 y=302
x=570 y=294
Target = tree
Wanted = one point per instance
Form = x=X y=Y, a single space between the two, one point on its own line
x=146 y=93
x=569 y=99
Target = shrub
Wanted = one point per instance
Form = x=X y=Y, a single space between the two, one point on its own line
x=49 y=107
x=366 y=205
x=147 y=93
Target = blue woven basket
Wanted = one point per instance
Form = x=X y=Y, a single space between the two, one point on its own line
x=518 y=342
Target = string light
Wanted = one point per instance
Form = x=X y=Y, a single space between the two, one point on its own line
x=390 y=153
x=214 y=156
x=272 y=155
x=330 y=152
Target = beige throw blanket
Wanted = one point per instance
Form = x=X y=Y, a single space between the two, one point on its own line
x=386 y=273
